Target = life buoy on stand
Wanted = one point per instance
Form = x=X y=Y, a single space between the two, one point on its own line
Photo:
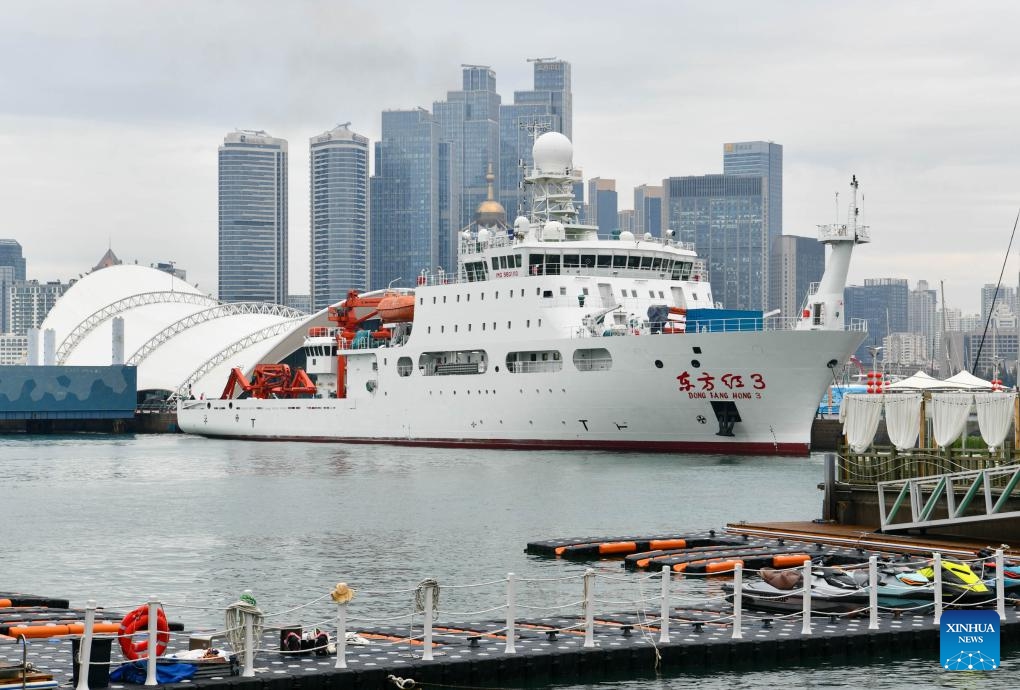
x=138 y=621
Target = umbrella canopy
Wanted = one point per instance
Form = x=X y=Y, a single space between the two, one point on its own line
x=965 y=379
x=919 y=382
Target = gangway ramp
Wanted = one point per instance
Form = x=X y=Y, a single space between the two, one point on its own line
x=949 y=499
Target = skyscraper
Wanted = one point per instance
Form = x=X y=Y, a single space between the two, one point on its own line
x=1005 y=297
x=469 y=120
x=648 y=210
x=795 y=262
x=882 y=302
x=253 y=218
x=602 y=205
x=12 y=268
x=405 y=204
x=725 y=217
x=922 y=303
x=29 y=303
x=339 y=215
x=625 y=220
x=765 y=159
x=546 y=108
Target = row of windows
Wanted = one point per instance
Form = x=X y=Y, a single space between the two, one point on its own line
x=509 y=325
x=523 y=362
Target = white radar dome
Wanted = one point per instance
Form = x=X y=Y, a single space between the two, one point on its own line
x=627 y=236
x=484 y=235
x=553 y=153
x=552 y=231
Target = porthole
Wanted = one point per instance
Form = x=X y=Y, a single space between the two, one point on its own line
x=695 y=363
x=230 y=405
x=658 y=364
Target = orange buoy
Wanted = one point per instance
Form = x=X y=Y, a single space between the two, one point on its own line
x=617 y=547
x=138 y=620
x=723 y=566
x=790 y=560
x=659 y=544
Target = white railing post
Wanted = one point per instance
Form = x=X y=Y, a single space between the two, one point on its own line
x=150 y=666
x=341 y=636
x=511 y=614
x=873 y=593
x=805 y=628
x=1000 y=585
x=738 y=600
x=589 y=608
x=248 y=671
x=937 y=576
x=85 y=650
x=664 y=607
x=426 y=654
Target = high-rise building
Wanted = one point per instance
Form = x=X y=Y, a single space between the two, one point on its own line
x=764 y=159
x=29 y=303
x=882 y=302
x=300 y=302
x=338 y=160
x=12 y=269
x=602 y=205
x=922 y=304
x=794 y=264
x=548 y=107
x=725 y=218
x=253 y=218
x=405 y=205
x=1006 y=296
x=648 y=210
x=469 y=121
x=625 y=220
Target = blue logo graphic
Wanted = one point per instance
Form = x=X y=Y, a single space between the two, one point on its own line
x=969 y=640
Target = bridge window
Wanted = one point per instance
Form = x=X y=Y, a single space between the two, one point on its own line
x=593 y=359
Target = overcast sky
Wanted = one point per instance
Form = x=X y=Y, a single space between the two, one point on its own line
x=111 y=112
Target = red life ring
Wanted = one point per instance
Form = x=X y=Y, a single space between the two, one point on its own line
x=138 y=621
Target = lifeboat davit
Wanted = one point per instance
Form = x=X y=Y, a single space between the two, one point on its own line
x=396 y=308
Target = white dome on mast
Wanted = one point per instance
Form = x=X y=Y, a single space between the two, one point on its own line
x=553 y=154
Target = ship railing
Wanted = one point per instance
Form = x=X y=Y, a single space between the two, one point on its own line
x=842 y=231
x=528 y=367
x=857 y=325
x=581 y=606
x=437 y=278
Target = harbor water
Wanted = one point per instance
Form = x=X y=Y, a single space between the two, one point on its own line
x=197 y=521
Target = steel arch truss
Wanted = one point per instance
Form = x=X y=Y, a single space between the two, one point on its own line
x=97 y=318
x=235 y=347
x=218 y=312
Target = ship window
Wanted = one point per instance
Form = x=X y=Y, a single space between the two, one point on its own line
x=552 y=264
x=633 y=262
x=458 y=297
x=497 y=295
x=605 y=260
x=421 y=301
x=433 y=300
x=633 y=293
x=619 y=261
x=593 y=359
x=467 y=297
x=694 y=296
x=623 y=293
x=469 y=328
x=442 y=329
x=429 y=329
x=454 y=328
x=508 y=325
x=495 y=263
x=588 y=260
x=571 y=260
x=458 y=362
x=538 y=291
x=528 y=323
x=517 y=260
x=444 y=299
x=563 y=290
x=584 y=291
x=651 y=293
x=646 y=262
x=540 y=323
x=532 y=361
x=522 y=292
x=535 y=264
x=483 y=325
x=656 y=263
x=483 y=296
x=660 y=295
x=493 y=325
x=546 y=294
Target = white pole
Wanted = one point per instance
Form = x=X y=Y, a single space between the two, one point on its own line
x=85 y=650
x=937 y=568
x=427 y=652
x=738 y=600
x=511 y=613
x=150 y=667
x=249 y=646
x=589 y=608
x=873 y=593
x=1000 y=585
x=341 y=636
x=805 y=628
x=667 y=573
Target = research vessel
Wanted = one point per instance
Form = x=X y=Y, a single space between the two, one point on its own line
x=548 y=336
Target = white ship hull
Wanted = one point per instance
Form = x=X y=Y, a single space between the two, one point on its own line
x=775 y=379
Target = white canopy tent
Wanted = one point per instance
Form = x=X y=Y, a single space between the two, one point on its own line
x=965 y=379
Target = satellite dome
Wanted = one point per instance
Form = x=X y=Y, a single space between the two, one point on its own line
x=627 y=236
x=484 y=235
x=553 y=230
x=553 y=153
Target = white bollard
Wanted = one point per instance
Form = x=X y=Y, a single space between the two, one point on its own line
x=873 y=593
x=85 y=650
x=152 y=652
x=426 y=654
x=1000 y=585
x=805 y=628
x=667 y=573
x=511 y=614
x=589 y=608
x=738 y=600
x=249 y=645
x=341 y=636
x=937 y=574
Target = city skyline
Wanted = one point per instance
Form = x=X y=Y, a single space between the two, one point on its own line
x=932 y=170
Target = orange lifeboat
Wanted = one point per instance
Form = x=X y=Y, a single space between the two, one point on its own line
x=396 y=308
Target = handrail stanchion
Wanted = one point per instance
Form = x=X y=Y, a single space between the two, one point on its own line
x=738 y=600
x=937 y=572
x=1000 y=585
x=873 y=593
x=150 y=666
x=341 y=635
x=85 y=650
x=589 y=608
x=426 y=654
x=664 y=607
x=805 y=628
x=511 y=613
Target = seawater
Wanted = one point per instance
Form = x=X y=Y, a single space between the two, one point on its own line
x=197 y=521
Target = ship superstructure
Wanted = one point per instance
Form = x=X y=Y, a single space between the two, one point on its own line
x=549 y=336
